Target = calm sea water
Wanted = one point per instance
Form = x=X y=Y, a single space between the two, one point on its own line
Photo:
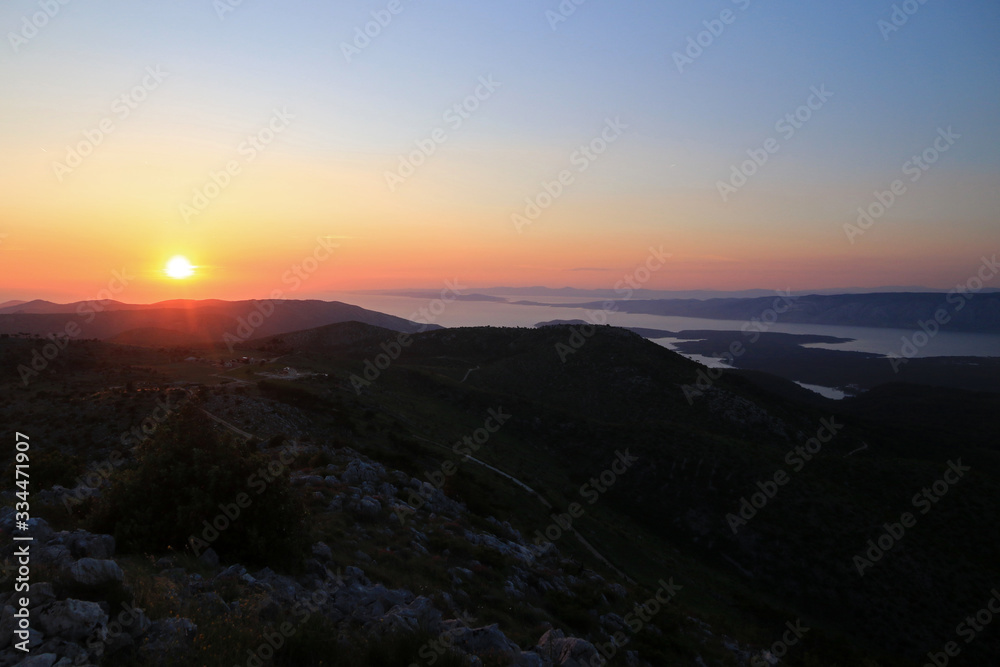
x=864 y=339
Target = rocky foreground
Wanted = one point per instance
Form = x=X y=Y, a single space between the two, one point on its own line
x=87 y=601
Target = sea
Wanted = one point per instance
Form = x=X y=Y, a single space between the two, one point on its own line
x=911 y=343
x=460 y=313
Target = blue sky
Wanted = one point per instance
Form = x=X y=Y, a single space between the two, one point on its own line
x=558 y=86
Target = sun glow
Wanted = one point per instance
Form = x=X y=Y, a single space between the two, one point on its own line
x=179 y=268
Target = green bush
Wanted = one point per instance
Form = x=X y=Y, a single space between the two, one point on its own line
x=51 y=467
x=185 y=480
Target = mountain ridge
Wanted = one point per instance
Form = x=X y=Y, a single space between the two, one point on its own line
x=210 y=320
x=973 y=312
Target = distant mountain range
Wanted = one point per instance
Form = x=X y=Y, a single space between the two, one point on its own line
x=188 y=322
x=574 y=292
x=979 y=312
x=185 y=322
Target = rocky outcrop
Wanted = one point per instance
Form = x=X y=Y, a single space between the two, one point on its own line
x=486 y=642
x=168 y=641
x=566 y=651
x=75 y=624
x=93 y=573
x=67 y=630
x=73 y=620
x=359 y=471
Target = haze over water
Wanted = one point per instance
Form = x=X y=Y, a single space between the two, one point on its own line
x=491 y=313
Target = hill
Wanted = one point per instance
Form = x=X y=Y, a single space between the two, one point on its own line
x=320 y=339
x=538 y=479
x=213 y=320
x=577 y=400
x=154 y=337
x=790 y=356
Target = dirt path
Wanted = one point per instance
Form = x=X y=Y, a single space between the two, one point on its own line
x=586 y=544
x=232 y=428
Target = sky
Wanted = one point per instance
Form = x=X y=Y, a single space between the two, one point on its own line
x=317 y=147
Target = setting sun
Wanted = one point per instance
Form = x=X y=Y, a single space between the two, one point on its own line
x=179 y=268
x=421 y=280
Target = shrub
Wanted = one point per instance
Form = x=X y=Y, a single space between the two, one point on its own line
x=189 y=477
x=52 y=467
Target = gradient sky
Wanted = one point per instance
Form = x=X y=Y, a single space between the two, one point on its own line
x=656 y=185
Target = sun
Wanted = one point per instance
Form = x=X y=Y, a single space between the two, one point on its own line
x=179 y=268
